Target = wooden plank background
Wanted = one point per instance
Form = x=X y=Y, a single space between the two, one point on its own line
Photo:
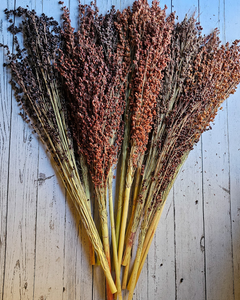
x=195 y=254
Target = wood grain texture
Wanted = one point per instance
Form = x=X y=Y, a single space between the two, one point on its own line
x=161 y=257
x=5 y=130
x=50 y=215
x=195 y=254
x=233 y=107
x=216 y=184
x=189 y=237
x=188 y=218
x=21 y=212
x=160 y=262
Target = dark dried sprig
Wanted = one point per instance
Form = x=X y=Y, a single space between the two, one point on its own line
x=38 y=90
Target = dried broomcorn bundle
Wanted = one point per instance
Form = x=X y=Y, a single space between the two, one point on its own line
x=199 y=77
x=130 y=84
x=94 y=65
x=38 y=90
x=149 y=34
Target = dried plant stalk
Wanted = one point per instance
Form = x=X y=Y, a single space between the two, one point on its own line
x=38 y=90
x=184 y=44
x=200 y=91
x=114 y=243
x=94 y=65
x=149 y=35
x=130 y=81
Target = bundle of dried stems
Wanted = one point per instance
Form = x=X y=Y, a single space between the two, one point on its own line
x=38 y=89
x=131 y=89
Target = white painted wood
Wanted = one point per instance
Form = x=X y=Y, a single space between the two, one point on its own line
x=49 y=232
x=189 y=237
x=183 y=7
x=21 y=213
x=49 y=257
x=234 y=147
x=46 y=248
x=161 y=257
x=188 y=218
x=233 y=105
x=217 y=215
x=71 y=242
x=218 y=242
x=141 y=291
x=5 y=127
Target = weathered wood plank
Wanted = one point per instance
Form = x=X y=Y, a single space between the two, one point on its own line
x=49 y=232
x=188 y=219
x=234 y=146
x=50 y=214
x=62 y=262
x=232 y=12
x=70 y=250
x=20 y=251
x=5 y=127
x=218 y=249
x=21 y=218
x=161 y=257
x=189 y=238
x=183 y=7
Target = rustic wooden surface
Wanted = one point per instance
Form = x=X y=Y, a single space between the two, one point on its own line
x=195 y=254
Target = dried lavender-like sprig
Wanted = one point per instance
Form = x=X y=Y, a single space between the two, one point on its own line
x=38 y=90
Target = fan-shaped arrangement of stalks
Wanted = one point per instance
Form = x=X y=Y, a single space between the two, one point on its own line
x=132 y=89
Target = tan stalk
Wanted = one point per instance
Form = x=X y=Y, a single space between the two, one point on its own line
x=133 y=226
x=148 y=239
x=137 y=184
x=114 y=243
x=93 y=233
x=153 y=226
x=129 y=181
x=123 y=168
x=125 y=274
x=133 y=277
x=87 y=191
x=74 y=189
x=101 y=196
x=126 y=263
